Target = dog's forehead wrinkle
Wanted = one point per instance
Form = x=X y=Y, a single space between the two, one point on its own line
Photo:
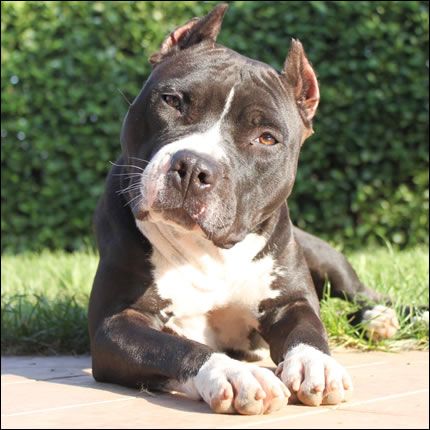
x=267 y=83
x=219 y=65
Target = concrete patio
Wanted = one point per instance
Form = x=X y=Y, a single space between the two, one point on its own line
x=391 y=391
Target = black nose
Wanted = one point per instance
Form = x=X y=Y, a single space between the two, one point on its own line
x=192 y=173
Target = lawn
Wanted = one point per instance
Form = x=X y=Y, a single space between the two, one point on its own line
x=45 y=297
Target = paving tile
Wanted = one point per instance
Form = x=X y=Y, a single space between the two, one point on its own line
x=58 y=393
x=395 y=376
x=340 y=419
x=391 y=391
x=17 y=369
x=408 y=404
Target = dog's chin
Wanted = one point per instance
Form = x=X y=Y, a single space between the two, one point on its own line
x=180 y=220
x=177 y=218
x=227 y=241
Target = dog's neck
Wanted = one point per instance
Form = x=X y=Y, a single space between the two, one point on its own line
x=181 y=247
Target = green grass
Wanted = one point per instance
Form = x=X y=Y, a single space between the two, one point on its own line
x=401 y=275
x=45 y=297
x=44 y=302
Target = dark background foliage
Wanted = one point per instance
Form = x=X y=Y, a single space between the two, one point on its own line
x=362 y=177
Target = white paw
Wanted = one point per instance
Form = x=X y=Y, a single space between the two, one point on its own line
x=314 y=377
x=380 y=323
x=230 y=386
x=422 y=318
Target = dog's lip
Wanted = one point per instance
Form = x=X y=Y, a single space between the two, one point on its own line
x=226 y=241
x=196 y=216
x=190 y=223
x=178 y=213
x=142 y=215
x=176 y=217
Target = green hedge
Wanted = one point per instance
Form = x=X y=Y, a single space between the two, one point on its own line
x=363 y=176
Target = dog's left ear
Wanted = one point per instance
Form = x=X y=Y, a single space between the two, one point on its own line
x=193 y=32
x=301 y=76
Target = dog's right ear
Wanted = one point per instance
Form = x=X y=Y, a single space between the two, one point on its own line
x=301 y=76
x=193 y=32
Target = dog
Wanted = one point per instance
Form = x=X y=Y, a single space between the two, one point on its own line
x=200 y=265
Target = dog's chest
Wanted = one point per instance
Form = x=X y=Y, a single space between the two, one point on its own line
x=214 y=294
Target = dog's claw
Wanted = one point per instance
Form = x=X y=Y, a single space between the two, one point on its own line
x=316 y=377
x=260 y=394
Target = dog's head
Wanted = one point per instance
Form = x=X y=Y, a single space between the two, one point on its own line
x=218 y=134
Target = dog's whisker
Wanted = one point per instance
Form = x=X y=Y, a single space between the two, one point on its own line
x=124 y=97
x=131 y=187
x=127 y=190
x=126 y=165
x=120 y=192
x=136 y=203
x=133 y=199
x=128 y=174
x=140 y=159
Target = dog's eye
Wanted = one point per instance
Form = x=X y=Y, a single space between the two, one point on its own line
x=172 y=100
x=267 y=139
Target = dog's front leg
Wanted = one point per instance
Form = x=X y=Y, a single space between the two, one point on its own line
x=128 y=351
x=298 y=344
x=129 y=348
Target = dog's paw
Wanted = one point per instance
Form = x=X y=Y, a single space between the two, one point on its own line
x=230 y=386
x=313 y=377
x=380 y=323
x=422 y=318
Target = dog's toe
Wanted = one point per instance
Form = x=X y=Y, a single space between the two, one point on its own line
x=230 y=386
x=222 y=401
x=314 y=377
x=380 y=323
x=277 y=393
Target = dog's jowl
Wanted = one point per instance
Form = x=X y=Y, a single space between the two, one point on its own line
x=200 y=265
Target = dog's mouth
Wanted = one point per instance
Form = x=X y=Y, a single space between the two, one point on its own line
x=163 y=199
x=178 y=218
x=182 y=221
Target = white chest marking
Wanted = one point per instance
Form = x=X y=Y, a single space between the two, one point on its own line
x=214 y=292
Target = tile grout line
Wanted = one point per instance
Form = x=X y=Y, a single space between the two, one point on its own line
x=322 y=411
x=357 y=366
x=54 y=378
x=284 y=418
x=28 y=381
x=252 y=424
x=392 y=396
x=77 y=405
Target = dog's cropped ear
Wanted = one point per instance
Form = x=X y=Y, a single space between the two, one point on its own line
x=193 y=32
x=301 y=76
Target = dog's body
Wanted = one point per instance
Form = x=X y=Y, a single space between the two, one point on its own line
x=198 y=256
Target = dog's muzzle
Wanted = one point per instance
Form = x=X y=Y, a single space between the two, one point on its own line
x=192 y=175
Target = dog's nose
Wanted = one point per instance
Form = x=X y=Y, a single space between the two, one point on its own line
x=193 y=173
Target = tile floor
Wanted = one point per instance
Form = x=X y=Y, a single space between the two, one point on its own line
x=391 y=391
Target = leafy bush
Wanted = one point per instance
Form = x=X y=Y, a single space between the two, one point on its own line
x=362 y=176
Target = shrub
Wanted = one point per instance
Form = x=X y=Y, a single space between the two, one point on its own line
x=362 y=176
